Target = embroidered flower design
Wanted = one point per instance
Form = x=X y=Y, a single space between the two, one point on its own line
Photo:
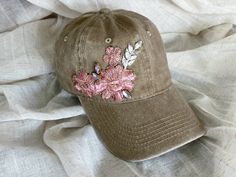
x=85 y=83
x=115 y=82
x=112 y=55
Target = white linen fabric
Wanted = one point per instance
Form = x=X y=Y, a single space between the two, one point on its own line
x=44 y=131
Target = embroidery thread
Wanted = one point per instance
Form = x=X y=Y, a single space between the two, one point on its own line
x=131 y=53
x=115 y=81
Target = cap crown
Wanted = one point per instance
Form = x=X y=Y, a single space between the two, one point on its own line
x=84 y=40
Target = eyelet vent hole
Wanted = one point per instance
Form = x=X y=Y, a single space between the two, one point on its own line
x=108 y=40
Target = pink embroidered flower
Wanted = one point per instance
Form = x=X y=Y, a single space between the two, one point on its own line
x=84 y=82
x=114 y=80
x=112 y=56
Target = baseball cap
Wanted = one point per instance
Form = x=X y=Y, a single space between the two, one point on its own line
x=115 y=62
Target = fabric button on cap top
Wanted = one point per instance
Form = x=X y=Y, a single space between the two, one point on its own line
x=120 y=75
x=105 y=10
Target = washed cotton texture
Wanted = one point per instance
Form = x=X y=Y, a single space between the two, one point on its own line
x=44 y=130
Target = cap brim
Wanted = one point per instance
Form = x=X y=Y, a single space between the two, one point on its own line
x=143 y=129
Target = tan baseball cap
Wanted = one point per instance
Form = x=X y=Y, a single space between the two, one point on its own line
x=115 y=62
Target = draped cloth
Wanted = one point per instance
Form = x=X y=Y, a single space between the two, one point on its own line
x=44 y=131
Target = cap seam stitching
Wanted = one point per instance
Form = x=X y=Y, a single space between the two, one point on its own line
x=82 y=38
x=147 y=145
x=77 y=67
x=150 y=78
x=148 y=141
x=143 y=129
x=150 y=125
x=131 y=101
x=148 y=67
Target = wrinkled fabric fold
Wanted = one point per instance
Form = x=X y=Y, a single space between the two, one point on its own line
x=201 y=55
